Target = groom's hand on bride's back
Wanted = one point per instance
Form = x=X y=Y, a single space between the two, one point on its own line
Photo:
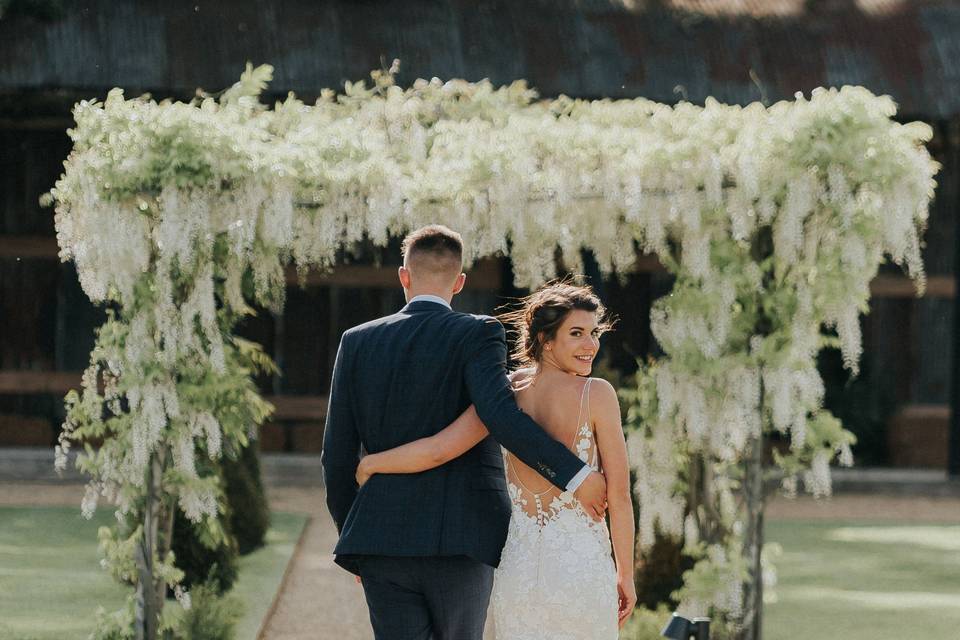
x=592 y=494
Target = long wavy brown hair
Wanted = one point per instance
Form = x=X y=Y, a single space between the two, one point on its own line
x=542 y=312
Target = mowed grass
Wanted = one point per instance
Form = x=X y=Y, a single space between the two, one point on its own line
x=51 y=582
x=878 y=580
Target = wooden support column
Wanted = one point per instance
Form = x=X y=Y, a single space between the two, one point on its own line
x=951 y=169
x=279 y=357
x=333 y=337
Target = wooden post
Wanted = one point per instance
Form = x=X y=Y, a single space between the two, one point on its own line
x=148 y=604
x=279 y=357
x=333 y=336
x=753 y=541
x=753 y=490
x=952 y=172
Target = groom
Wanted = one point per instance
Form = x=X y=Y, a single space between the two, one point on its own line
x=425 y=544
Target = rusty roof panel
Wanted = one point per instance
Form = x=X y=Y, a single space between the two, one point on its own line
x=660 y=49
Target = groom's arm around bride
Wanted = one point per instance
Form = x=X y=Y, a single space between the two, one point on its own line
x=495 y=404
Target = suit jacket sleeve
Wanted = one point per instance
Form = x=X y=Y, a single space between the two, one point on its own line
x=490 y=391
x=341 y=441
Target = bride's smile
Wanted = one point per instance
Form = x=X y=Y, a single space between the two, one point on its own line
x=576 y=343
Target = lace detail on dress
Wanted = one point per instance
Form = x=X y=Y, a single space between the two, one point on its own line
x=556 y=577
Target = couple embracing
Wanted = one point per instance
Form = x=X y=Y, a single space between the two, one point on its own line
x=437 y=520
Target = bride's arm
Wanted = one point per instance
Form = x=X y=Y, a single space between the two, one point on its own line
x=426 y=453
x=605 y=412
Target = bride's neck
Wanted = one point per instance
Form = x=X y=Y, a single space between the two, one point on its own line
x=549 y=367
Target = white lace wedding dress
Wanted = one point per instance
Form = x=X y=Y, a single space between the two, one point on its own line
x=556 y=578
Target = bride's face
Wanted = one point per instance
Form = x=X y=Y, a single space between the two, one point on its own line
x=576 y=343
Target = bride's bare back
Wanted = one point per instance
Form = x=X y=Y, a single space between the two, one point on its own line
x=559 y=404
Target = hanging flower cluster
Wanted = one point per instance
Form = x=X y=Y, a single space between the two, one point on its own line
x=774 y=220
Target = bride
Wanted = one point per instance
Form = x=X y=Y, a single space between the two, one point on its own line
x=556 y=577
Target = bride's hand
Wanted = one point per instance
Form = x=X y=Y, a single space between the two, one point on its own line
x=364 y=471
x=627 y=592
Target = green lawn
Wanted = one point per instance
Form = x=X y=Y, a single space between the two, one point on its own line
x=51 y=581
x=837 y=580
x=865 y=581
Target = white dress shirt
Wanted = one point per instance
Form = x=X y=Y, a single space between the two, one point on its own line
x=581 y=475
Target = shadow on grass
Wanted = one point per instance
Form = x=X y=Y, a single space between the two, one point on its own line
x=51 y=582
x=864 y=581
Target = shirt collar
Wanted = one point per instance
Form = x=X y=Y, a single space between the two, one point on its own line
x=430 y=298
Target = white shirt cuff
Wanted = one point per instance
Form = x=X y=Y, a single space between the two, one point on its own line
x=578 y=479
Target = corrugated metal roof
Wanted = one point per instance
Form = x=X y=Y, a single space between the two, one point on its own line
x=660 y=49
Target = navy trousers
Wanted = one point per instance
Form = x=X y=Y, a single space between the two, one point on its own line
x=433 y=598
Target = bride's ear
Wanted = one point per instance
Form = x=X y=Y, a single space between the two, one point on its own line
x=544 y=343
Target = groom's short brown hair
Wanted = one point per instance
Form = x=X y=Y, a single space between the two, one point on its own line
x=433 y=250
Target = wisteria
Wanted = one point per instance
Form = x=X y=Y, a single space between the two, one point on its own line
x=773 y=219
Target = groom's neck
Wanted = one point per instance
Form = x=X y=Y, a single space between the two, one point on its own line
x=413 y=293
x=425 y=291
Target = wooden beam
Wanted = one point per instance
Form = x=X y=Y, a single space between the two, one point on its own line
x=924 y=412
x=882 y=286
x=306 y=408
x=485 y=275
x=16 y=382
x=895 y=286
x=53 y=123
x=28 y=247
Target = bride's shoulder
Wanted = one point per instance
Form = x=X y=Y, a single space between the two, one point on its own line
x=520 y=376
x=603 y=394
x=600 y=385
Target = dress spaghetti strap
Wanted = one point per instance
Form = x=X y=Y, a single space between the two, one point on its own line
x=584 y=443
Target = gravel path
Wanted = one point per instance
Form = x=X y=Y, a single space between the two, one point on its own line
x=318 y=599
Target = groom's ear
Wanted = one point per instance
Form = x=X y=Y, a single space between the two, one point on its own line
x=459 y=284
x=404 y=274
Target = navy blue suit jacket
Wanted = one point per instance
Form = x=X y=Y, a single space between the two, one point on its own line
x=407 y=376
